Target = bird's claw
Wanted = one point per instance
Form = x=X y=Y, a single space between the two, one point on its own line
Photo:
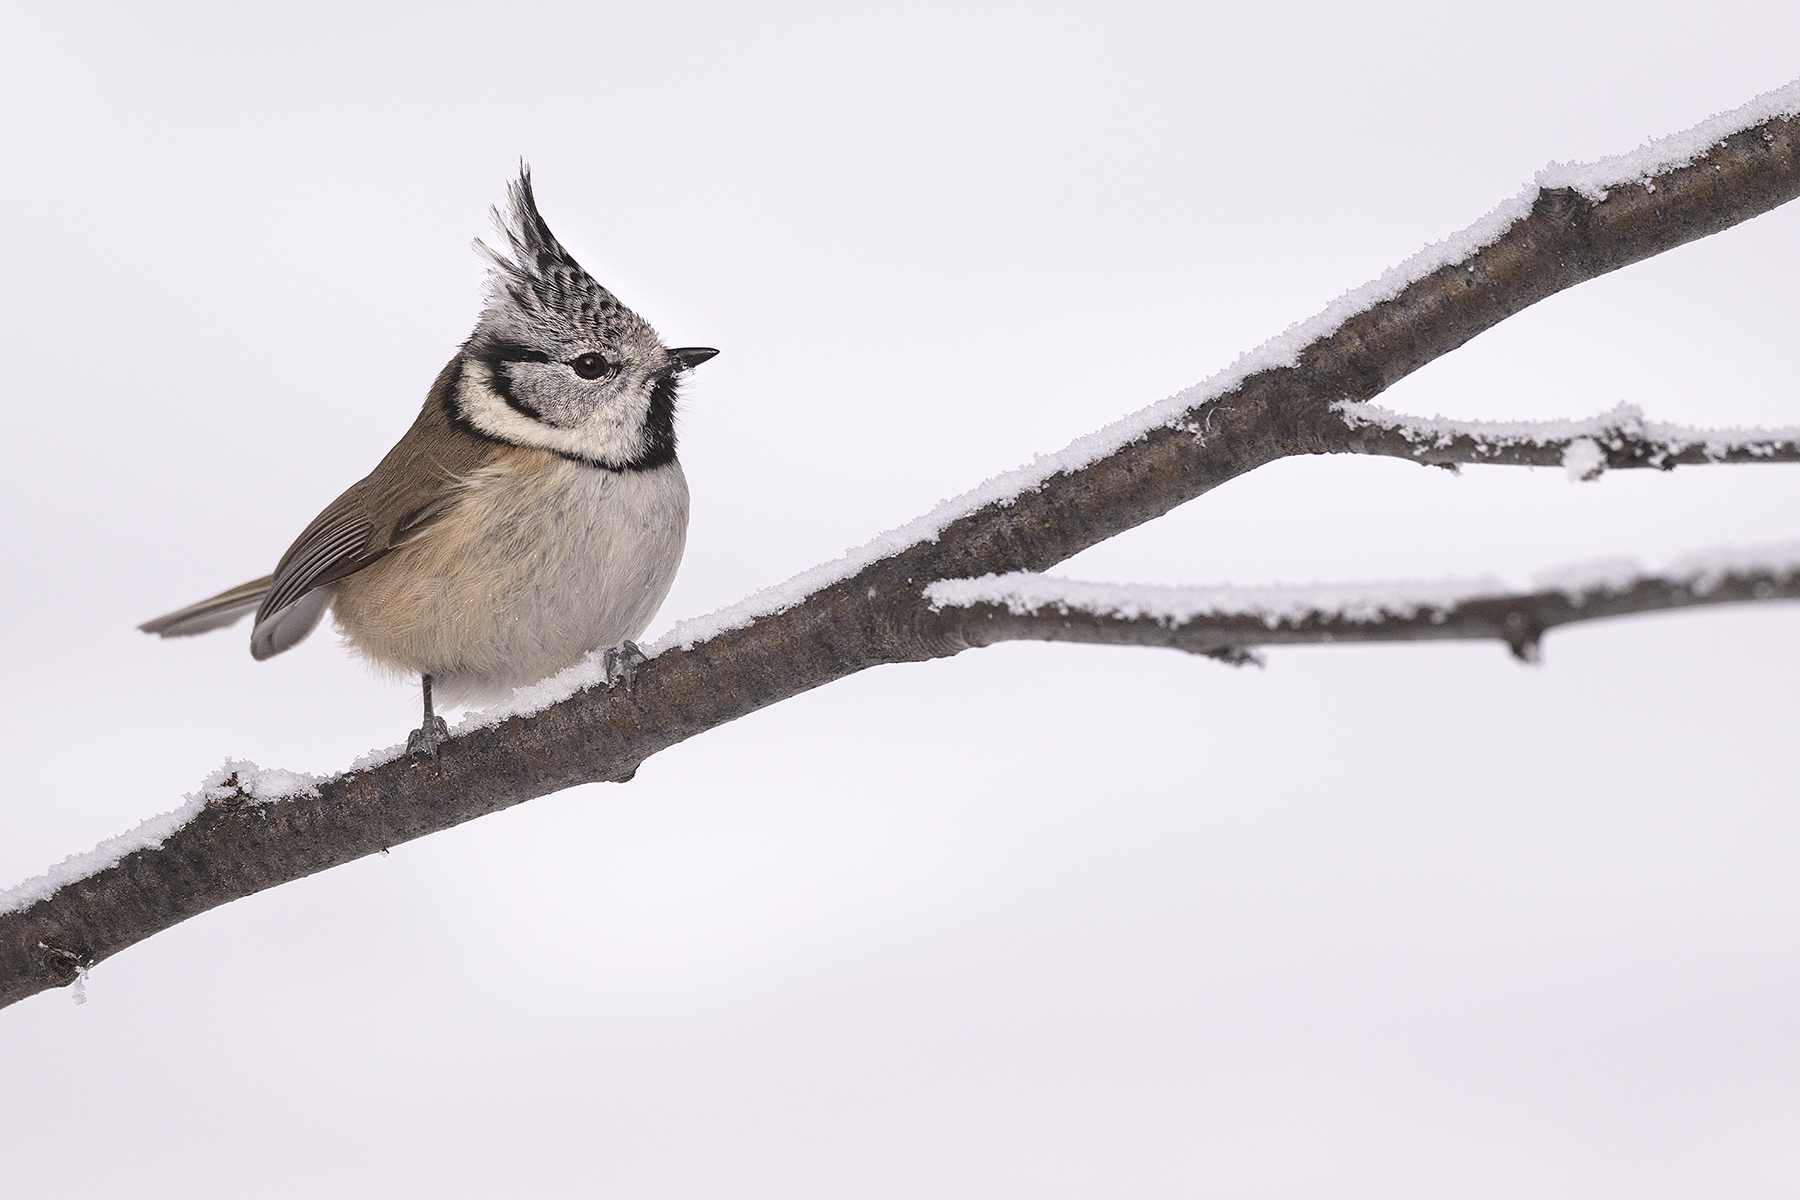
x=620 y=664
x=428 y=737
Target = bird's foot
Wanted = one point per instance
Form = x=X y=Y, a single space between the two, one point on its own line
x=428 y=737
x=620 y=664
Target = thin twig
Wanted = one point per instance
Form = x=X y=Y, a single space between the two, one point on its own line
x=1224 y=622
x=1617 y=440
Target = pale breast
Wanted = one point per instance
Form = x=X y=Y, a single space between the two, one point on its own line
x=539 y=560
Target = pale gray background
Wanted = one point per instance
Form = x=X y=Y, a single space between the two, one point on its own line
x=1040 y=921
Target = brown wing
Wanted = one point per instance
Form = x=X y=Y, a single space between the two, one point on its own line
x=399 y=499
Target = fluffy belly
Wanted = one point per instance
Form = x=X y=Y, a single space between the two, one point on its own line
x=539 y=561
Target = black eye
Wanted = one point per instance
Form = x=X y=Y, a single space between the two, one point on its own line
x=591 y=366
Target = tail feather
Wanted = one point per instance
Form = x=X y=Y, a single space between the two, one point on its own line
x=216 y=613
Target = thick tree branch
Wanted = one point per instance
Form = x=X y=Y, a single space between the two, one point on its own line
x=1225 y=622
x=867 y=609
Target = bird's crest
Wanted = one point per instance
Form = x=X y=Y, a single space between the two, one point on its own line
x=535 y=277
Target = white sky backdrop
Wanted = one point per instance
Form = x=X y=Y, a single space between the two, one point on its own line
x=1040 y=921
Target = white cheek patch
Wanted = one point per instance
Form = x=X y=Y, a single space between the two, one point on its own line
x=609 y=437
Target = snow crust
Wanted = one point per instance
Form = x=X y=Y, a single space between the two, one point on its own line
x=371 y=760
x=525 y=701
x=259 y=785
x=1594 y=180
x=1025 y=593
x=1700 y=570
x=256 y=784
x=1584 y=459
x=1607 y=429
x=148 y=835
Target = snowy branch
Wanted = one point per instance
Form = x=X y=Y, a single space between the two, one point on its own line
x=1612 y=441
x=1227 y=622
x=248 y=830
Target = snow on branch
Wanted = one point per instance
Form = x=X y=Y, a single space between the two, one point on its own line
x=1587 y=448
x=236 y=782
x=1566 y=226
x=1226 y=622
x=865 y=609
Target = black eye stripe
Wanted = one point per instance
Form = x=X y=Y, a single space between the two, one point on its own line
x=511 y=352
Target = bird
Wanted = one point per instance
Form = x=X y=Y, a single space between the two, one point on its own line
x=534 y=512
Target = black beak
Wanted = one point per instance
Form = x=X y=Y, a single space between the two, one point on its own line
x=689 y=357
